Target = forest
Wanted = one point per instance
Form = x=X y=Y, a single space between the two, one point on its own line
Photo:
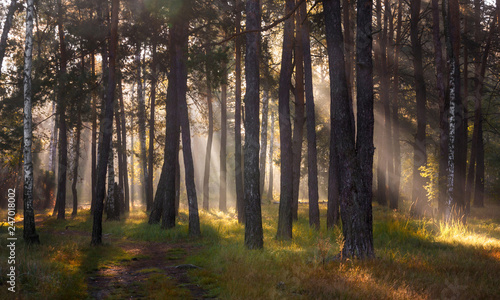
x=249 y=149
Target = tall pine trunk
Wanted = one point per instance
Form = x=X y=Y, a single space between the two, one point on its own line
x=124 y=150
x=142 y=130
x=152 y=108
x=240 y=199
x=172 y=133
x=106 y=128
x=63 y=140
x=208 y=153
x=254 y=238
x=223 y=142
x=478 y=117
x=93 y=167
x=181 y=89
x=271 y=163
x=312 y=160
x=355 y=160
x=286 y=194
x=29 y=231
x=419 y=195
x=76 y=160
x=298 y=125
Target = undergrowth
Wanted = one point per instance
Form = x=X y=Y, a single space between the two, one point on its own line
x=416 y=259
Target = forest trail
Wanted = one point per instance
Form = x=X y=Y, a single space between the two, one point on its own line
x=149 y=259
x=144 y=266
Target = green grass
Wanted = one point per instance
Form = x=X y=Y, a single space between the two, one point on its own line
x=416 y=259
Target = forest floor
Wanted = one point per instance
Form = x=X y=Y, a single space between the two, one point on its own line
x=416 y=259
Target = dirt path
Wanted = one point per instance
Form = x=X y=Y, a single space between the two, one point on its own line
x=128 y=279
x=124 y=280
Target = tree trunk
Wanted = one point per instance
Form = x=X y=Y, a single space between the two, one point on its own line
x=312 y=163
x=478 y=118
x=172 y=127
x=106 y=127
x=240 y=199
x=363 y=240
x=151 y=147
x=111 y=205
x=443 y=124
x=355 y=182
x=76 y=161
x=254 y=238
x=385 y=94
x=124 y=150
x=6 y=28
x=164 y=202
x=298 y=126
x=208 y=153
x=53 y=142
x=348 y=43
x=142 y=130
x=63 y=140
x=271 y=163
x=419 y=195
x=181 y=51
x=452 y=30
x=263 y=137
x=121 y=141
x=93 y=167
x=384 y=99
x=223 y=142
x=29 y=231
x=286 y=194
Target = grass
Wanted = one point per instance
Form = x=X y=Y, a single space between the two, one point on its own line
x=416 y=259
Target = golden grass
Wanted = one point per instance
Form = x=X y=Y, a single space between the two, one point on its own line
x=416 y=259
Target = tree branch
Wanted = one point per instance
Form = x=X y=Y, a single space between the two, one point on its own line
x=265 y=28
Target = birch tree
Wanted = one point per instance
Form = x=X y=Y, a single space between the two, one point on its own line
x=29 y=232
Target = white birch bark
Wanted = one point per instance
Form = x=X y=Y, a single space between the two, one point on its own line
x=451 y=144
x=29 y=232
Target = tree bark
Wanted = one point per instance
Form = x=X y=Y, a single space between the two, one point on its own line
x=452 y=29
x=208 y=152
x=223 y=143
x=478 y=119
x=271 y=163
x=384 y=99
x=142 y=130
x=29 y=231
x=443 y=124
x=254 y=238
x=93 y=167
x=6 y=28
x=76 y=161
x=298 y=126
x=286 y=194
x=112 y=212
x=263 y=136
x=355 y=160
x=164 y=202
x=172 y=133
x=419 y=196
x=106 y=127
x=240 y=199
x=152 y=109
x=181 y=86
x=63 y=140
x=312 y=161
x=124 y=150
